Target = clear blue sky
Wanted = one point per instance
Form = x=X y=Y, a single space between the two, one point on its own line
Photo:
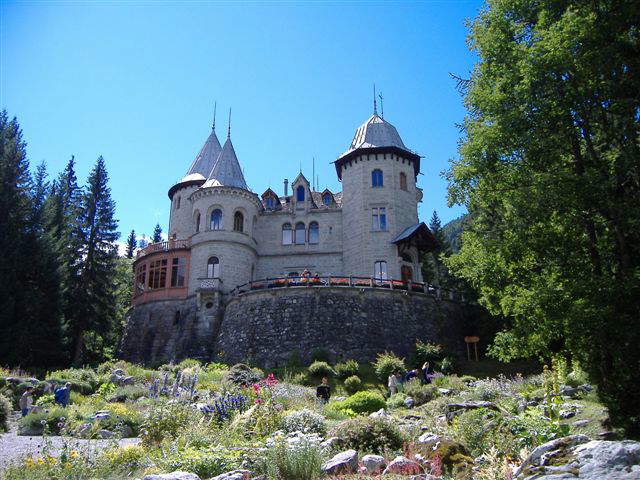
x=135 y=82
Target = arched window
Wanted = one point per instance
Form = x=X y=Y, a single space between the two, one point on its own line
x=376 y=178
x=238 y=222
x=269 y=202
x=403 y=181
x=300 y=193
x=216 y=219
x=314 y=233
x=197 y=222
x=406 y=272
x=300 y=233
x=213 y=268
x=287 y=238
x=326 y=199
x=380 y=270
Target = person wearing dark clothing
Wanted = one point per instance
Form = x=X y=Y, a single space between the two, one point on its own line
x=323 y=391
x=62 y=395
x=426 y=373
x=411 y=374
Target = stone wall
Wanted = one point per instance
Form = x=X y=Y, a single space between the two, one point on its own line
x=266 y=327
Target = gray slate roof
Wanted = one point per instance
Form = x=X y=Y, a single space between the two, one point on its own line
x=226 y=171
x=376 y=132
x=206 y=158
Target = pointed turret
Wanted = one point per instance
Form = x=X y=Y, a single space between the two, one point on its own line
x=226 y=171
x=206 y=158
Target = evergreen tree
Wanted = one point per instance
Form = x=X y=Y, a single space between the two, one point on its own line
x=93 y=316
x=157 y=234
x=131 y=244
x=434 y=271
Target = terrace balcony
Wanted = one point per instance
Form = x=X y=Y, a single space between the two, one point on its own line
x=166 y=246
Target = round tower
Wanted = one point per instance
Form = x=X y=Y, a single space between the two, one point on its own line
x=223 y=247
x=380 y=204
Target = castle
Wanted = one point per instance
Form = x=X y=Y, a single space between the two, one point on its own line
x=237 y=262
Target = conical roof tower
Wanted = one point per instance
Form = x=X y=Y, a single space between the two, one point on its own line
x=226 y=171
x=206 y=158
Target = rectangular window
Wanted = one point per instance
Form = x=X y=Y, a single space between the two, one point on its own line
x=158 y=274
x=178 y=270
x=379 y=219
x=140 y=278
x=380 y=270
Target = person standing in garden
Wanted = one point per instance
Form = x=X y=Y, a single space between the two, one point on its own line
x=26 y=401
x=393 y=384
x=323 y=391
x=62 y=395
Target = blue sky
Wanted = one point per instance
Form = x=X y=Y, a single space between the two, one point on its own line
x=136 y=81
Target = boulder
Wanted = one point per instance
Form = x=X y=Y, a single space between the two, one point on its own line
x=332 y=442
x=119 y=372
x=172 y=476
x=379 y=414
x=580 y=423
x=578 y=457
x=408 y=402
x=235 y=475
x=402 y=466
x=128 y=381
x=445 y=391
x=429 y=439
x=125 y=431
x=454 y=409
x=101 y=414
x=342 y=463
x=105 y=434
x=374 y=463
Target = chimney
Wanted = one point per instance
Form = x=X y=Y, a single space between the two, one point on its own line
x=286 y=187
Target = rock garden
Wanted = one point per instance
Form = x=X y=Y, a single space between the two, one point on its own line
x=213 y=421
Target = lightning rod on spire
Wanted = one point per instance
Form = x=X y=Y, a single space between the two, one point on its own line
x=229 y=128
x=215 y=105
x=375 y=106
x=381 y=105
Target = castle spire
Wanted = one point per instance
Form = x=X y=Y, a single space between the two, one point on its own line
x=229 y=128
x=215 y=105
x=375 y=105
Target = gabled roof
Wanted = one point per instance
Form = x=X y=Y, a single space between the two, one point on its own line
x=226 y=171
x=417 y=235
x=207 y=156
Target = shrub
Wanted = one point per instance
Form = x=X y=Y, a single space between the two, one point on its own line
x=47 y=400
x=83 y=380
x=421 y=394
x=396 y=401
x=302 y=378
x=284 y=463
x=452 y=382
x=205 y=463
x=352 y=384
x=128 y=393
x=164 y=421
x=242 y=374
x=305 y=421
x=371 y=435
x=189 y=363
x=532 y=429
x=320 y=355
x=347 y=369
x=386 y=364
x=320 y=369
x=447 y=365
x=128 y=458
x=5 y=413
x=428 y=352
x=452 y=456
x=53 y=419
x=363 y=402
x=332 y=411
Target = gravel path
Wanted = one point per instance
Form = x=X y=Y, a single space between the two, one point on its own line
x=13 y=447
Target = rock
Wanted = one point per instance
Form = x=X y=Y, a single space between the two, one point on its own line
x=172 y=476
x=424 y=477
x=105 y=434
x=84 y=430
x=101 y=414
x=568 y=391
x=31 y=431
x=338 y=399
x=429 y=439
x=379 y=414
x=343 y=462
x=408 y=402
x=115 y=378
x=567 y=414
x=580 y=423
x=445 y=391
x=235 y=475
x=128 y=381
x=374 y=463
x=125 y=431
x=454 y=409
x=119 y=372
x=332 y=442
x=403 y=466
x=260 y=477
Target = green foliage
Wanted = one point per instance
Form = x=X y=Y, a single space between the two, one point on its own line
x=304 y=420
x=53 y=420
x=387 y=363
x=205 y=463
x=553 y=241
x=157 y=234
x=369 y=435
x=128 y=393
x=362 y=402
x=282 y=463
x=242 y=374
x=5 y=412
x=320 y=369
x=353 y=384
x=447 y=365
x=421 y=394
x=347 y=369
x=396 y=400
x=531 y=428
x=428 y=352
x=164 y=421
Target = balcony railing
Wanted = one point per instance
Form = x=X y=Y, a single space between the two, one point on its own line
x=210 y=283
x=347 y=281
x=164 y=247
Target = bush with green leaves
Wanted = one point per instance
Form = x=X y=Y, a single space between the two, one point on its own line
x=447 y=365
x=353 y=384
x=129 y=393
x=362 y=402
x=163 y=421
x=5 y=413
x=369 y=435
x=53 y=420
x=428 y=352
x=421 y=394
x=305 y=420
x=387 y=363
x=243 y=375
x=347 y=369
x=204 y=462
x=531 y=428
x=283 y=463
x=320 y=369
x=396 y=400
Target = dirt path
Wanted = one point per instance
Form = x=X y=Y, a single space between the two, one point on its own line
x=13 y=447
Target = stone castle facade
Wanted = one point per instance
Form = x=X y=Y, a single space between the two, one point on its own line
x=230 y=252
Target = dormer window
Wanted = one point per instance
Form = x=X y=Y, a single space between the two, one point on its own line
x=326 y=199
x=269 y=202
x=300 y=193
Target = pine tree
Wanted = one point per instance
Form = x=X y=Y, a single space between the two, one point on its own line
x=157 y=234
x=92 y=320
x=131 y=244
x=433 y=269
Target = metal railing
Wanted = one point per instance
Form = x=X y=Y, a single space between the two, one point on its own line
x=214 y=283
x=346 y=281
x=164 y=247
